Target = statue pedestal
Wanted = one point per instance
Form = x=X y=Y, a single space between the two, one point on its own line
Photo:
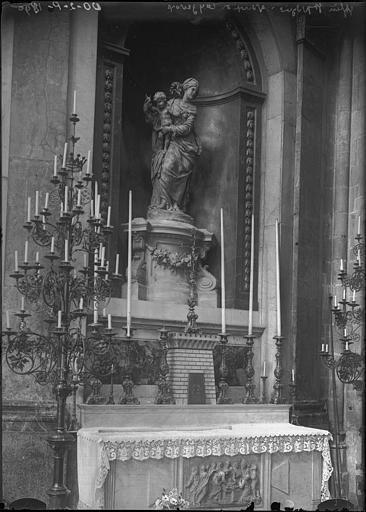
x=161 y=252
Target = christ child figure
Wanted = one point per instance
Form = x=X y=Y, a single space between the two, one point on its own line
x=157 y=112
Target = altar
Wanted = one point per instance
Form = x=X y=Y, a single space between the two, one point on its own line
x=216 y=456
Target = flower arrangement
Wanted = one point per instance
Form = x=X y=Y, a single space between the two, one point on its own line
x=171 y=500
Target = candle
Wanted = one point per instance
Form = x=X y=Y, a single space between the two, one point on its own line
x=95 y=313
x=117 y=263
x=59 y=319
x=37 y=201
x=359 y=226
x=97 y=207
x=46 y=201
x=104 y=312
x=335 y=300
x=129 y=258
x=278 y=283
x=341 y=266
x=16 y=261
x=55 y=166
x=85 y=261
x=22 y=306
x=109 y=217
x=26 y=252
x=345 y=332
x=7 y=320
x=359 y=256
x=347 y=345
x=81 y=303
x=37 y=257
x=66 y=250
x=88 y=164
x=344 y=293
x=61 y=209
x=223 y=301
x=102 y=257
x=264 y=368
x=92 y=208
x=95 y=191
x=250 y=327
x=107 y=269
x=74 y=273
x=29 y=209
x=323 y=347
x=110 y=324
x=326 y=347
x=79 y=197
x=293 y=375
x=74 y=105
x=354 y=296
x=64 y=157
x=66 y=197
x=53 y=244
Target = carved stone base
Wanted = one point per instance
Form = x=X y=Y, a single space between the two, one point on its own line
x=160 y=260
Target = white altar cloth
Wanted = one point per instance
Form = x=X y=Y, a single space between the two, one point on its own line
x=98 y=446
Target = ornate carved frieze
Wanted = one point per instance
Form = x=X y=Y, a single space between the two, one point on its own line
x=243 y=51
x=107 y=138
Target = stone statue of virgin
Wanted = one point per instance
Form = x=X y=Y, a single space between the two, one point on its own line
x=175 y=145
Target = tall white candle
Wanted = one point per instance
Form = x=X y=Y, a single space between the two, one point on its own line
x=251 y=282
x=264 y=368
x=66 y=250
x=7 y=320
x=92 y=208
x=359 y=226
x=97 y=207
x=26 y=251
x=345 y=332
x=55 y=166
x=293 y=375
x=107 y=269
x=29 y=210
x=326 y=348
x=79 y=197
x=85 y=261
x=129 y=262
x=22 y=307
x=61 y=208
x=95 y=191
x=64 y=157
x=341 y=266
x=95 y=313
x=59 y=319
x=335 y=300
x=37 y=257
x=81 y=303
x=354 y=296
x=347 y=345
x=53 y=244
x=109 y=321
x=46 y=200
x=66 y=197
x=359 y=256
x=74 y=104
x=88 y=164
x=323 y=347
x=16 y=261
x=109 y=217
x=278 y=282
x=37 y=204
x=102 y=257
x=223 y=299
x=117 y=263
x=344 y=293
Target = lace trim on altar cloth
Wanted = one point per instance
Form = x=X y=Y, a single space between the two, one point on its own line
x=187 y=448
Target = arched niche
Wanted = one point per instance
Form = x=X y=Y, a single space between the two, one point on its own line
x=220 y=56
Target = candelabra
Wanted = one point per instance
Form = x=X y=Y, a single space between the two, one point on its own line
x=347 y=316
x=69 y=352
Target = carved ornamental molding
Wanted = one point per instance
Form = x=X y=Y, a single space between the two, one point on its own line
x=243 y=52
x=107 y=138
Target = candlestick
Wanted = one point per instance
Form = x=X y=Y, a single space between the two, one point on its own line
x=16 y=261
x=88 y=164
x=66 y=197
x=250 y=326
x=37 y=257
x=79 y=197
x=109 y=321
x=37 y=201
x=109 y=217
x=117 y=263
x=26 y=251
x=264 y=368
x=81 y=303
x=278 y=282
x=129 y=257
x=66 y=250
x=341 y=266
x=46 y=200
x=59 y=315
x=359 y=226
x=53 y=244
x=55 y=166
x=74 y=105
x=29 y=210
x=223 y=298
x=22 y=307
x=64 y=157
x=7 y=320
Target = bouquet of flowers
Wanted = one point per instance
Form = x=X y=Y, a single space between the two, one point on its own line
x=170 y=501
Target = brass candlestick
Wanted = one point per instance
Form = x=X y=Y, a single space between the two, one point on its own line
x=250 y=386
x=223 y=385
x=277 y=386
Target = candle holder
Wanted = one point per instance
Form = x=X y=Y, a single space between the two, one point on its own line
x=223 y=385
x=294 y=417
x=110 y=400
x=276 y=397
x=264 y=397
x=191 y=327
x=249 y=397
x=164 y=395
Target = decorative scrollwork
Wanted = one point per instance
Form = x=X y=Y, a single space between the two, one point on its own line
x=349 y=367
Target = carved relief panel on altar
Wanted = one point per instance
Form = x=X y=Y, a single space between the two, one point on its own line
x=223 y=481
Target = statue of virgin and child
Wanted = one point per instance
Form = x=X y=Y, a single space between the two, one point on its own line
x=175 y=145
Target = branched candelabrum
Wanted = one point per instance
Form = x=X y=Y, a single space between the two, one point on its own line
x=348 y=315
x=66 y=353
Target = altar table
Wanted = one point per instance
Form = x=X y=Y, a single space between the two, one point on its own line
x=124 y=468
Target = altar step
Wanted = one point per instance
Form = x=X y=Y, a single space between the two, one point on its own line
x=313 y=413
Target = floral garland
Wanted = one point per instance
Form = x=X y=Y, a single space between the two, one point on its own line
x=171 y=501
x=173 y=261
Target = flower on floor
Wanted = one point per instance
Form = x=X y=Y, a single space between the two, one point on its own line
x=171 y=500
